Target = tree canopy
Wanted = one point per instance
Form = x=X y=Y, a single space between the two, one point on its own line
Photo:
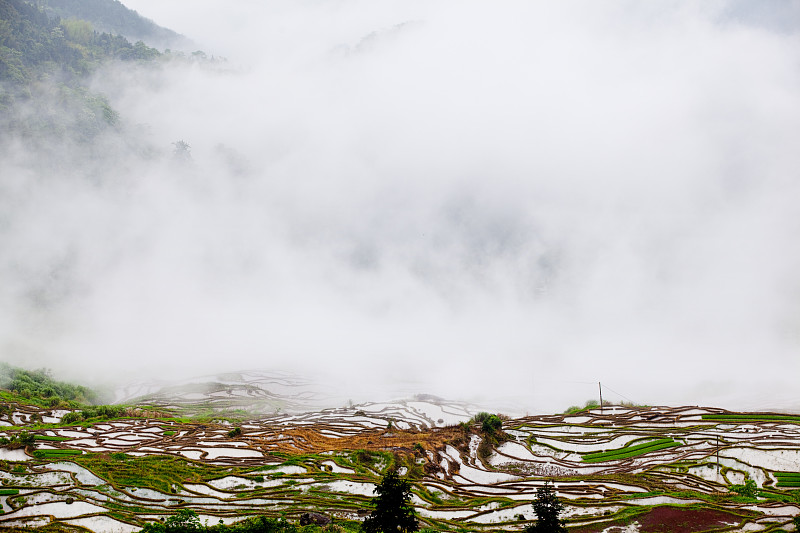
x=547 y=507
x=393 y=510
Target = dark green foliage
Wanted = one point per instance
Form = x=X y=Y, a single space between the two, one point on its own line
x=23 y=439
x=43 y=66
x=29 y=38
x=71 y=417
x=748 y=490
x=393 y=510
x=235 y=432
x=480 y=417
x=186 y=521
x=489 y=423
x=547 y=508
x=101 y=412
x=40 y=384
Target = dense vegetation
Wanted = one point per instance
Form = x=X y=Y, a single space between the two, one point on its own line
x=547 y=508
x=39 y=384
x=44 y=63
x=186 y=521
x=392 y=509
x=111 y=16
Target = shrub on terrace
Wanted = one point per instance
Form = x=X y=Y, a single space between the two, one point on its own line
x=489 y=423
x=187 y=521
x=99 y=411
x=748 y=490
x=23 y=439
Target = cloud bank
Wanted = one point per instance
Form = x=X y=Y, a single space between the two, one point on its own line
x=505 y=202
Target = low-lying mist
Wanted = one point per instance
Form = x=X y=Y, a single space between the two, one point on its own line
x=505 y=202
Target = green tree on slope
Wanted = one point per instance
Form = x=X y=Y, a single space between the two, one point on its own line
x=393 y=510
x=547 y=507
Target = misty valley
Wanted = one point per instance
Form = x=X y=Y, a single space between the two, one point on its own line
x=341 y=266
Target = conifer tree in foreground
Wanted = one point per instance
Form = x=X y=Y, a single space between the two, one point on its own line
x=547 y=507
x=393 y=510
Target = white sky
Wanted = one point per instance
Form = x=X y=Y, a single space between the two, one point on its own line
x=511 y=200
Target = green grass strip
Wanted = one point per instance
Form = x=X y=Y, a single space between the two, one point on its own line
x=9 y=492
x=56 y=453
x=629 y=451
x=787 y=479
x=752 y=417
x=49 y=438
x=627 y=448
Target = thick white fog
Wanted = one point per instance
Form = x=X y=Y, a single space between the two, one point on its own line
x=507 y=201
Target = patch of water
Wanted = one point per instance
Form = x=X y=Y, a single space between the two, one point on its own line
x=59 y=510
x=13 y=455
x=103 y=523
x=208 y=491
x=84 y=476
x=350 y=487
x=338 y=469
x=444 y=515
x=233 y=483
x=214 y=453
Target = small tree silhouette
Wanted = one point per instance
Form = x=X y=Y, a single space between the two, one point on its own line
x=547 y=507
x=393 y=510
x=182 y=150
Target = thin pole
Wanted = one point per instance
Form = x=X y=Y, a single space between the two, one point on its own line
x=717 y=454
x=601 y=396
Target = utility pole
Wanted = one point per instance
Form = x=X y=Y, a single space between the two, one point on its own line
x=601 y=396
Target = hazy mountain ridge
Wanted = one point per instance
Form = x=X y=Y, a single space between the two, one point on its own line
x=111 y=16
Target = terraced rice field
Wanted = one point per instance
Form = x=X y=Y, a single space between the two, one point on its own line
x=617 y=469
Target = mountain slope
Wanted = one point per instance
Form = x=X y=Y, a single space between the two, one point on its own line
x=44 y=67
x=111 y=16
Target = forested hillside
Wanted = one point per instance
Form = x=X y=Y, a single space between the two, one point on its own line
x=111 y=16
x=44 y=64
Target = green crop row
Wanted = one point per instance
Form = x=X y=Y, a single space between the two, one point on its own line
x=788 y=479
x=751 y=417
x=9 y=492
x=55 y=453
x=629 y=451
x=628 y=447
